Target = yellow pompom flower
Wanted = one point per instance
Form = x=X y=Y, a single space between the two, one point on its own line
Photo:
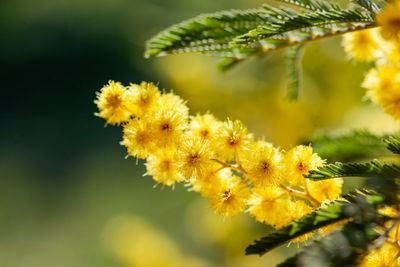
x=263 y=164
x=389 y=19
x=231 y=138
x=229 y=196
x=143 y=98
x=112 y=102
x=163 y=167
x=194 y=158
x=210 y=179
x=362 y=45
x=298 y=209
x=326 y=189
x=386 y=256
x=383 y=84
x=300 y=160
x=168 y=126
x=138 y=138
x=175 y=102
x=204 y=126
x=268 y=206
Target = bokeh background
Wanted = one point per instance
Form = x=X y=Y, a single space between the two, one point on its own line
x=67 y=195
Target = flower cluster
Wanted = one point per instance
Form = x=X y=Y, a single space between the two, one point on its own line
x=220 y=160
x=382 y=46
x=389 y=253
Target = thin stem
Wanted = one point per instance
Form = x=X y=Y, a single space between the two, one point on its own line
x=380 y=240
x=298 y=193
x=231 y=166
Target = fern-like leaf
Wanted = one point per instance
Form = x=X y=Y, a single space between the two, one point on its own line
x=335 y=211
x=208 y=33
x=293 y=57
x=353 y=145
x=374 y=168
x=304 y=21
x=393 y=144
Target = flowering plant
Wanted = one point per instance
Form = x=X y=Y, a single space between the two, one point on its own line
x=294 y=191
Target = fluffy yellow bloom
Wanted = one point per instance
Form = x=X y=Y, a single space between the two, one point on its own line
x=138 y=138
x=386 y=256
x=267 y=205
x=230 y=196
x=388 y=211
x=263 y=164
x=298 y=209
x=383 y=84
x=326 y=189
x=194 y=158
x=204 y=126
x=168 y=126
x=210 y=179
x=143 y=98
x=112 y=102
x=172 y=101
x=329 y=228
x=163 y=167
x=362 y=45
x=389 y=19
x=300 y=160
x=231 y=138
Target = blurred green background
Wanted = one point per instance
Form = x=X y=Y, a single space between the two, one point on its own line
x=69 y=198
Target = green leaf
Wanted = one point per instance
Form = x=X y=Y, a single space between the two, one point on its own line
x=309 y=4
x=374 y=168
x=335 y=211
x=371 y=6
x=346 y=246
x=338 y=249
x=207 y=33
x=293 y=58
x=353 y=145
x=332 y=17
x=393 y=144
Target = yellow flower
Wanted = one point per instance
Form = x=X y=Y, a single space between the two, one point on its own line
x=194 y=158
x=210 y=179
x=143 y=98
x=389 y=19
x=326 y=189
x=112 y=102
x=298 y=209
x=172 y=101
x=204 y=126
x=168 y=126
x=163 y=167
x=230 y=196
x=231 y=138
x=386 y=256
x=268 y=206
x=383 y=84
x=138 y=138
x=263 y=164
x=362 y=45
x=300 y=160
x=329 y=228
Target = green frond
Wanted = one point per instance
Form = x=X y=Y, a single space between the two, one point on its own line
x=372 y=6
x=332 y=17
x=374 y=168
x=353 y=145
x=294 y=55
x=206 y=33
x=309 y=4
x=393 y=144
x=336 y=211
